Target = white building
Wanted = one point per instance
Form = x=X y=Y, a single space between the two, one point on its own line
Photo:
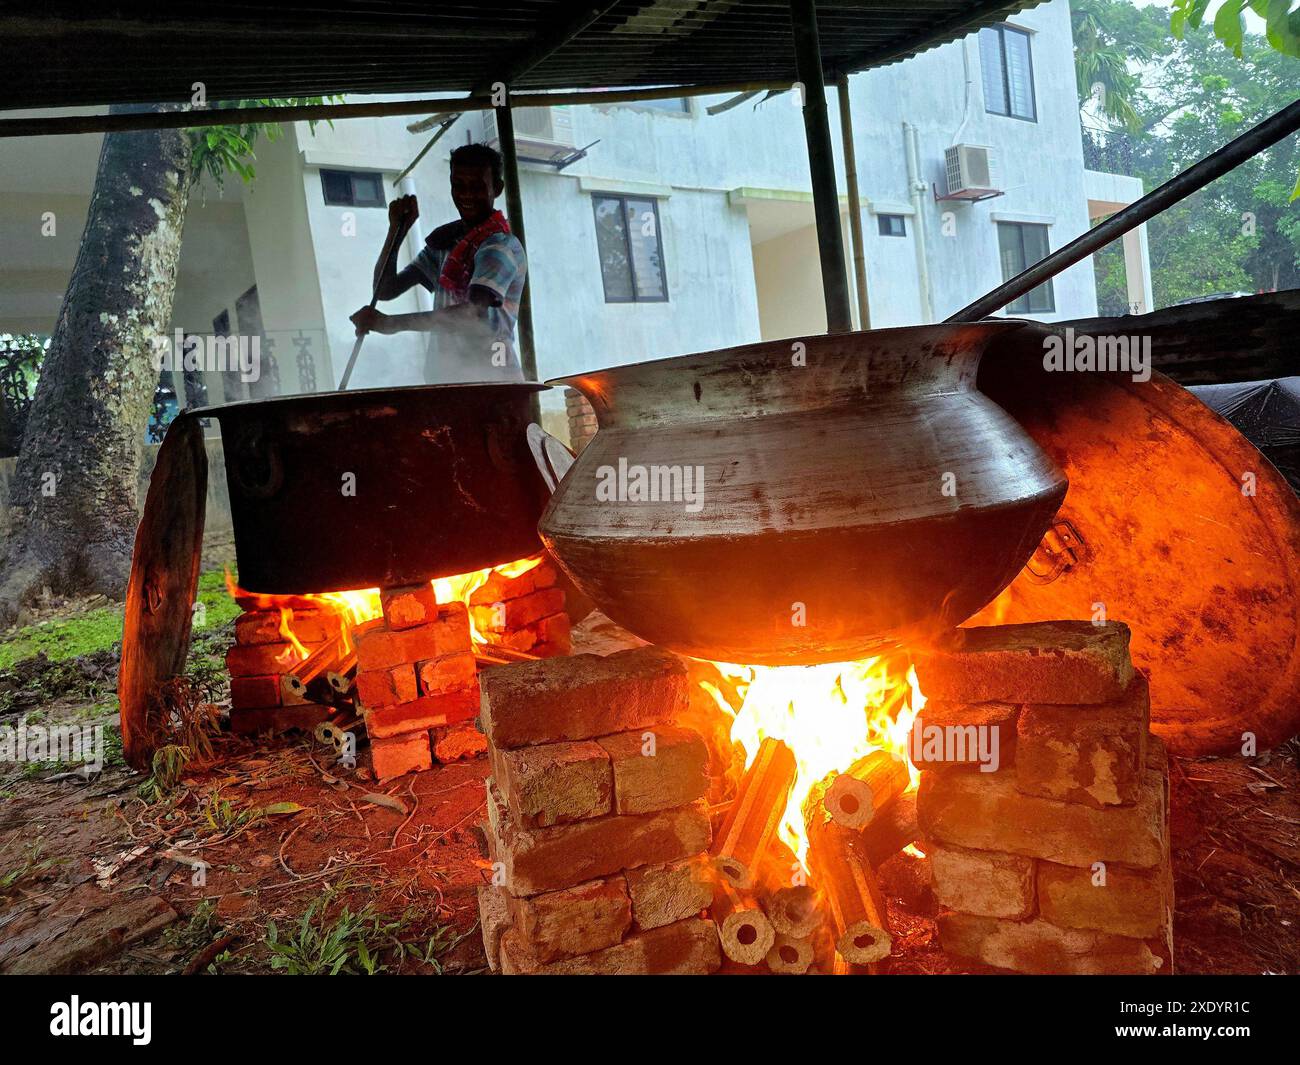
x=730 y=255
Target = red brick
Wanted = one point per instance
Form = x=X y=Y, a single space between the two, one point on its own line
x=1131 y=902
x=555 y=633
x=581 y=697
x=455 y=672
x=254 y=720
x=395 y=756
x=555 y=782
x=250 y=693
x=379 y=647
x=985 y=811
x=499 y=587
x=1037 y=946
x=453 y=743
x=1040 y=662
x=543 y=859
x=674 y=775
x=387 y=687
x=260 y=660
x=663 y=894
x=688 y=947
x=986 y=883
x=572 y=921
x=1090 y=753
x=310 y=626
x=426 y=712
x=963 y=723
x=511 y=614
x=408 y=606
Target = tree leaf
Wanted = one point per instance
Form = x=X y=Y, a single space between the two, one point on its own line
x=282 y=808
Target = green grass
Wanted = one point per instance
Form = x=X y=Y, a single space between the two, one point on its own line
x=100 y=629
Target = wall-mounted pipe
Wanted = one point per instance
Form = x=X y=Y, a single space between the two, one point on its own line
x=916 y=190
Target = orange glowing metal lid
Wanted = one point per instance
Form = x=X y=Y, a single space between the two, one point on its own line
x=1175 y=524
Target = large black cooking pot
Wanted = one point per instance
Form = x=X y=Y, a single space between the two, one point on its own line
x=382 y=486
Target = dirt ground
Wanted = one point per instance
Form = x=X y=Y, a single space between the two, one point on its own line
x=272 y=858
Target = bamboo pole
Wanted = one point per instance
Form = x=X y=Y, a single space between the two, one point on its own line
x=855 y=202
x=433 y=108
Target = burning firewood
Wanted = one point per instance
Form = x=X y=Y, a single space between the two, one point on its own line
x=789 y=901
x=854 y=797
x=790 y=956
x=853 y=900
x=745 y=933
x=342 y=678
x=332 y=656
x=751 y=823
x=892 y=829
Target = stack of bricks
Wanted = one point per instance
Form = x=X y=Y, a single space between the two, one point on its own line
x=597 y=830
x=582 y=419
x=1057 y=861
x=417 y=682
x=524 y=613
x=260 y=659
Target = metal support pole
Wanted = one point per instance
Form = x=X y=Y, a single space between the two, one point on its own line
x=855 y=203
x=821 y=165
x=515 y=211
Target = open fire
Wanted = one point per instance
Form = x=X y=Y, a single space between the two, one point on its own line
x=829 y=716
x=360 y=605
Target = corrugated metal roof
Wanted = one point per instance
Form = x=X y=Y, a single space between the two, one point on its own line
x=151 y=52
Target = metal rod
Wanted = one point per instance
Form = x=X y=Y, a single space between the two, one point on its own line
x=515 y=209
x=58 y=125
x=821 y=165
x=855 y=203
x=1195 y=177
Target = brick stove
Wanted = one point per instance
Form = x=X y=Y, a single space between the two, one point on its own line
x=409 y=672
x=1058 y=862
x=624 y=839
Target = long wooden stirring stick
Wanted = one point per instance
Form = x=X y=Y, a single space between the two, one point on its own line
x=389 y=243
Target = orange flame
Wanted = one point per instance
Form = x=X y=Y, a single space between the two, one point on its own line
x=363 y=604
x=829 y=716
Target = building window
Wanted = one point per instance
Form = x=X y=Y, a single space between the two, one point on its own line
x=892 y=225
x=1008 y=72
x=352 y=188
x=1020 y=245
x=631 y=251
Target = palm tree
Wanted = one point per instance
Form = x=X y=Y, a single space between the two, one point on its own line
x=1101 y=65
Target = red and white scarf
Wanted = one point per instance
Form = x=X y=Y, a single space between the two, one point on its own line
x=458 y=268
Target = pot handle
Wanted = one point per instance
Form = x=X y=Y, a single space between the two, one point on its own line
x=552 y=456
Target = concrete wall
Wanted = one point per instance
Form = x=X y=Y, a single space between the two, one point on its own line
x=739 y=267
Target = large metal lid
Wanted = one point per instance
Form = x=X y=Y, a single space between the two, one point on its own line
x=1173 y=523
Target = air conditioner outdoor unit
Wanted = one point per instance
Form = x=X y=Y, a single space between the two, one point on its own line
x=540 y=132
x=969 y=169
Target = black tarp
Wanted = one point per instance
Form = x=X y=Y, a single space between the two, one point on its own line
x=1267 y=413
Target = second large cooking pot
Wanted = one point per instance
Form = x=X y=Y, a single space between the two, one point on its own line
x=798 y=501
x=379 y=486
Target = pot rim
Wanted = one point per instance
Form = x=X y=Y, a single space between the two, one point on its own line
x=336 y=396
x=892 y=333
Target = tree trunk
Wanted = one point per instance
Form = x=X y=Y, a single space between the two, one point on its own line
x=74 y=495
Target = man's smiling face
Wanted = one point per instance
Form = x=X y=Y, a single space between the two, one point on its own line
x=473 y=190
